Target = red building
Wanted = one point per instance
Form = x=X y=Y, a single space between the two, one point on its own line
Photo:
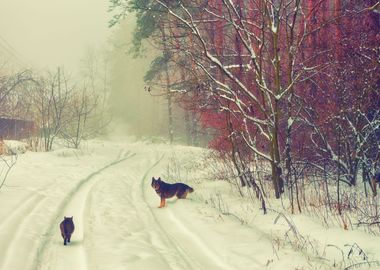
x=16 y=129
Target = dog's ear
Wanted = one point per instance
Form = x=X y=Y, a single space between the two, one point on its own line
x=153 y=179
x=159 y=179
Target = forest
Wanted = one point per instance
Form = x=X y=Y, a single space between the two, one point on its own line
x=293 y=86
x=269 y=109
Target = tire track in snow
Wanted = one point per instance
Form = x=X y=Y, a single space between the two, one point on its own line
x=172 y=251
x=165 y=252
x=74 y=201
x=18 y=219
x=26 y=204
x=196 y=246
x=190 y=247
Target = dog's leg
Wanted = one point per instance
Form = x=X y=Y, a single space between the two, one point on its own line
x=374 y=186
x=162 y=204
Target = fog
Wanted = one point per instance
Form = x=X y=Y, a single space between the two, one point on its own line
x=47 y=33
x=44 y=34
x=132 y=104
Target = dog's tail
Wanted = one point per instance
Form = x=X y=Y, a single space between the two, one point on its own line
x=190 y=189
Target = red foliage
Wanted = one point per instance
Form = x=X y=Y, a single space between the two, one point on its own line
x=341 y=44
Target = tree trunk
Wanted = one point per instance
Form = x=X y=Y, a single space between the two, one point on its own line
x=168 y=93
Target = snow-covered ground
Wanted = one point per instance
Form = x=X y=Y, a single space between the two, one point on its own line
x=105 y=186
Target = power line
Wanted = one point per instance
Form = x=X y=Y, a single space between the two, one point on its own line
x=10 y=50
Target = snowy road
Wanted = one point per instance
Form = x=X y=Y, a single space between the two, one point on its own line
x=75 y=204
x=118 y=224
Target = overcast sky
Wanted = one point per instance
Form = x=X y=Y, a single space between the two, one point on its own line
x=49 y=33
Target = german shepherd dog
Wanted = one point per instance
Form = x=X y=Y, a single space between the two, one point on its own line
x=67 y=228
x=166 y=191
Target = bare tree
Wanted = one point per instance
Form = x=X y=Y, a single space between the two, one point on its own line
x=6 y=165
x=257 y=103
x=81 y=106
x=95 y=75
x=50 y=97
x=9 y=91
